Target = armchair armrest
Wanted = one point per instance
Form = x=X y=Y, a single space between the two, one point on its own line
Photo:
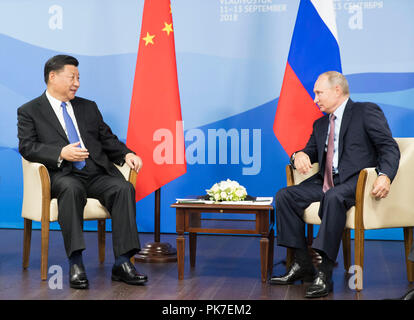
x=294 y=177
x=36 y=190
x=396 y=210
x=128 y=173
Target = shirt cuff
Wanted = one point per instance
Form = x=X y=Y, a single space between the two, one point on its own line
x=59 y=162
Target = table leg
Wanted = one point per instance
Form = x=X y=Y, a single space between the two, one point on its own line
x=193 y=248
x=180 y=256
x=264 y=257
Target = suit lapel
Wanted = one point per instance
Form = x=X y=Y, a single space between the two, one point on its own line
x=322 y=137
x=47 y=111
x=346 y=119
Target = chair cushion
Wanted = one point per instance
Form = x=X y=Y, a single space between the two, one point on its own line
x=93 y=210
x=311 y=215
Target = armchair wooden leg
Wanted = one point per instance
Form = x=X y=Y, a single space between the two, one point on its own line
x=359 y=257
x=27 y=237
x=44 y=249
x=101 y=240
x=408 y=240
x=346 y=248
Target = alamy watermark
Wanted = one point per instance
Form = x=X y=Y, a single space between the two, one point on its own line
x=356 y=279
x=234 y=146
x=56 y=279
x=56 y=18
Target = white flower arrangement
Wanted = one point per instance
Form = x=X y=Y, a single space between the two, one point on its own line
x=227 y=191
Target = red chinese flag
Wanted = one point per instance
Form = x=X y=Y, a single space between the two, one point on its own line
x=155 y=131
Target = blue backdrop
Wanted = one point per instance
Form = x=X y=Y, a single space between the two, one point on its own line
x=231 y=56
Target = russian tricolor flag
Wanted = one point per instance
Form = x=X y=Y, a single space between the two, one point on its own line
x=314 y=50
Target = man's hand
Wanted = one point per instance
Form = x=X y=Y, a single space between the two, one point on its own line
x=72 y=152
x=302 y=162
x=381 y=187
x=133 y=161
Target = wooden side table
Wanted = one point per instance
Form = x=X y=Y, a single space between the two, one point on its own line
x=189 y=219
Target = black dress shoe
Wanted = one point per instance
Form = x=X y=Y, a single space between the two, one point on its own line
x=126 y=272
x=408 y=296
x=320 y=287
x=77 y=277
x=296 y=272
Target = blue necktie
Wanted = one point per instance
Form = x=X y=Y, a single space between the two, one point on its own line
x=72 y=134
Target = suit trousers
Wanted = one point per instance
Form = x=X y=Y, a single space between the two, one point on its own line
x=291 y=202
x=115 y=193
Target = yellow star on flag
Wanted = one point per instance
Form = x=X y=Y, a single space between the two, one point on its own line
x=168 y=28
x=148 y=39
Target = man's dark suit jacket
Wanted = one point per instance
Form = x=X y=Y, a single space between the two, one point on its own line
x=41 y=136
x=365 y=140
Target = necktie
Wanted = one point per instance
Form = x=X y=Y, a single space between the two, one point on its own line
x=72 y=134
x=328 y=177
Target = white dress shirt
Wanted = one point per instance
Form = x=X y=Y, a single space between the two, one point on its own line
x=339 y=112
x=56 y=106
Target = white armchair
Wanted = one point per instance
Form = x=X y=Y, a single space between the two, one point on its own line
x=38 y=206
x=395 y=211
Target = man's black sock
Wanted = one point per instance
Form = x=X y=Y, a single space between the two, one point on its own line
x=123 y=258
x=326 y=265
x=76 y=258
x=303 y=257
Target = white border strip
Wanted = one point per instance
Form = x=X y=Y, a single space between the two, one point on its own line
x=327 y=13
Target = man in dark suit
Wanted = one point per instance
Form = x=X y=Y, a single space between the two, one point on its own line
x=68 y=135
x=350 y=137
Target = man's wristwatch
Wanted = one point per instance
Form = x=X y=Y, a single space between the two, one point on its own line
x=292 y=160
